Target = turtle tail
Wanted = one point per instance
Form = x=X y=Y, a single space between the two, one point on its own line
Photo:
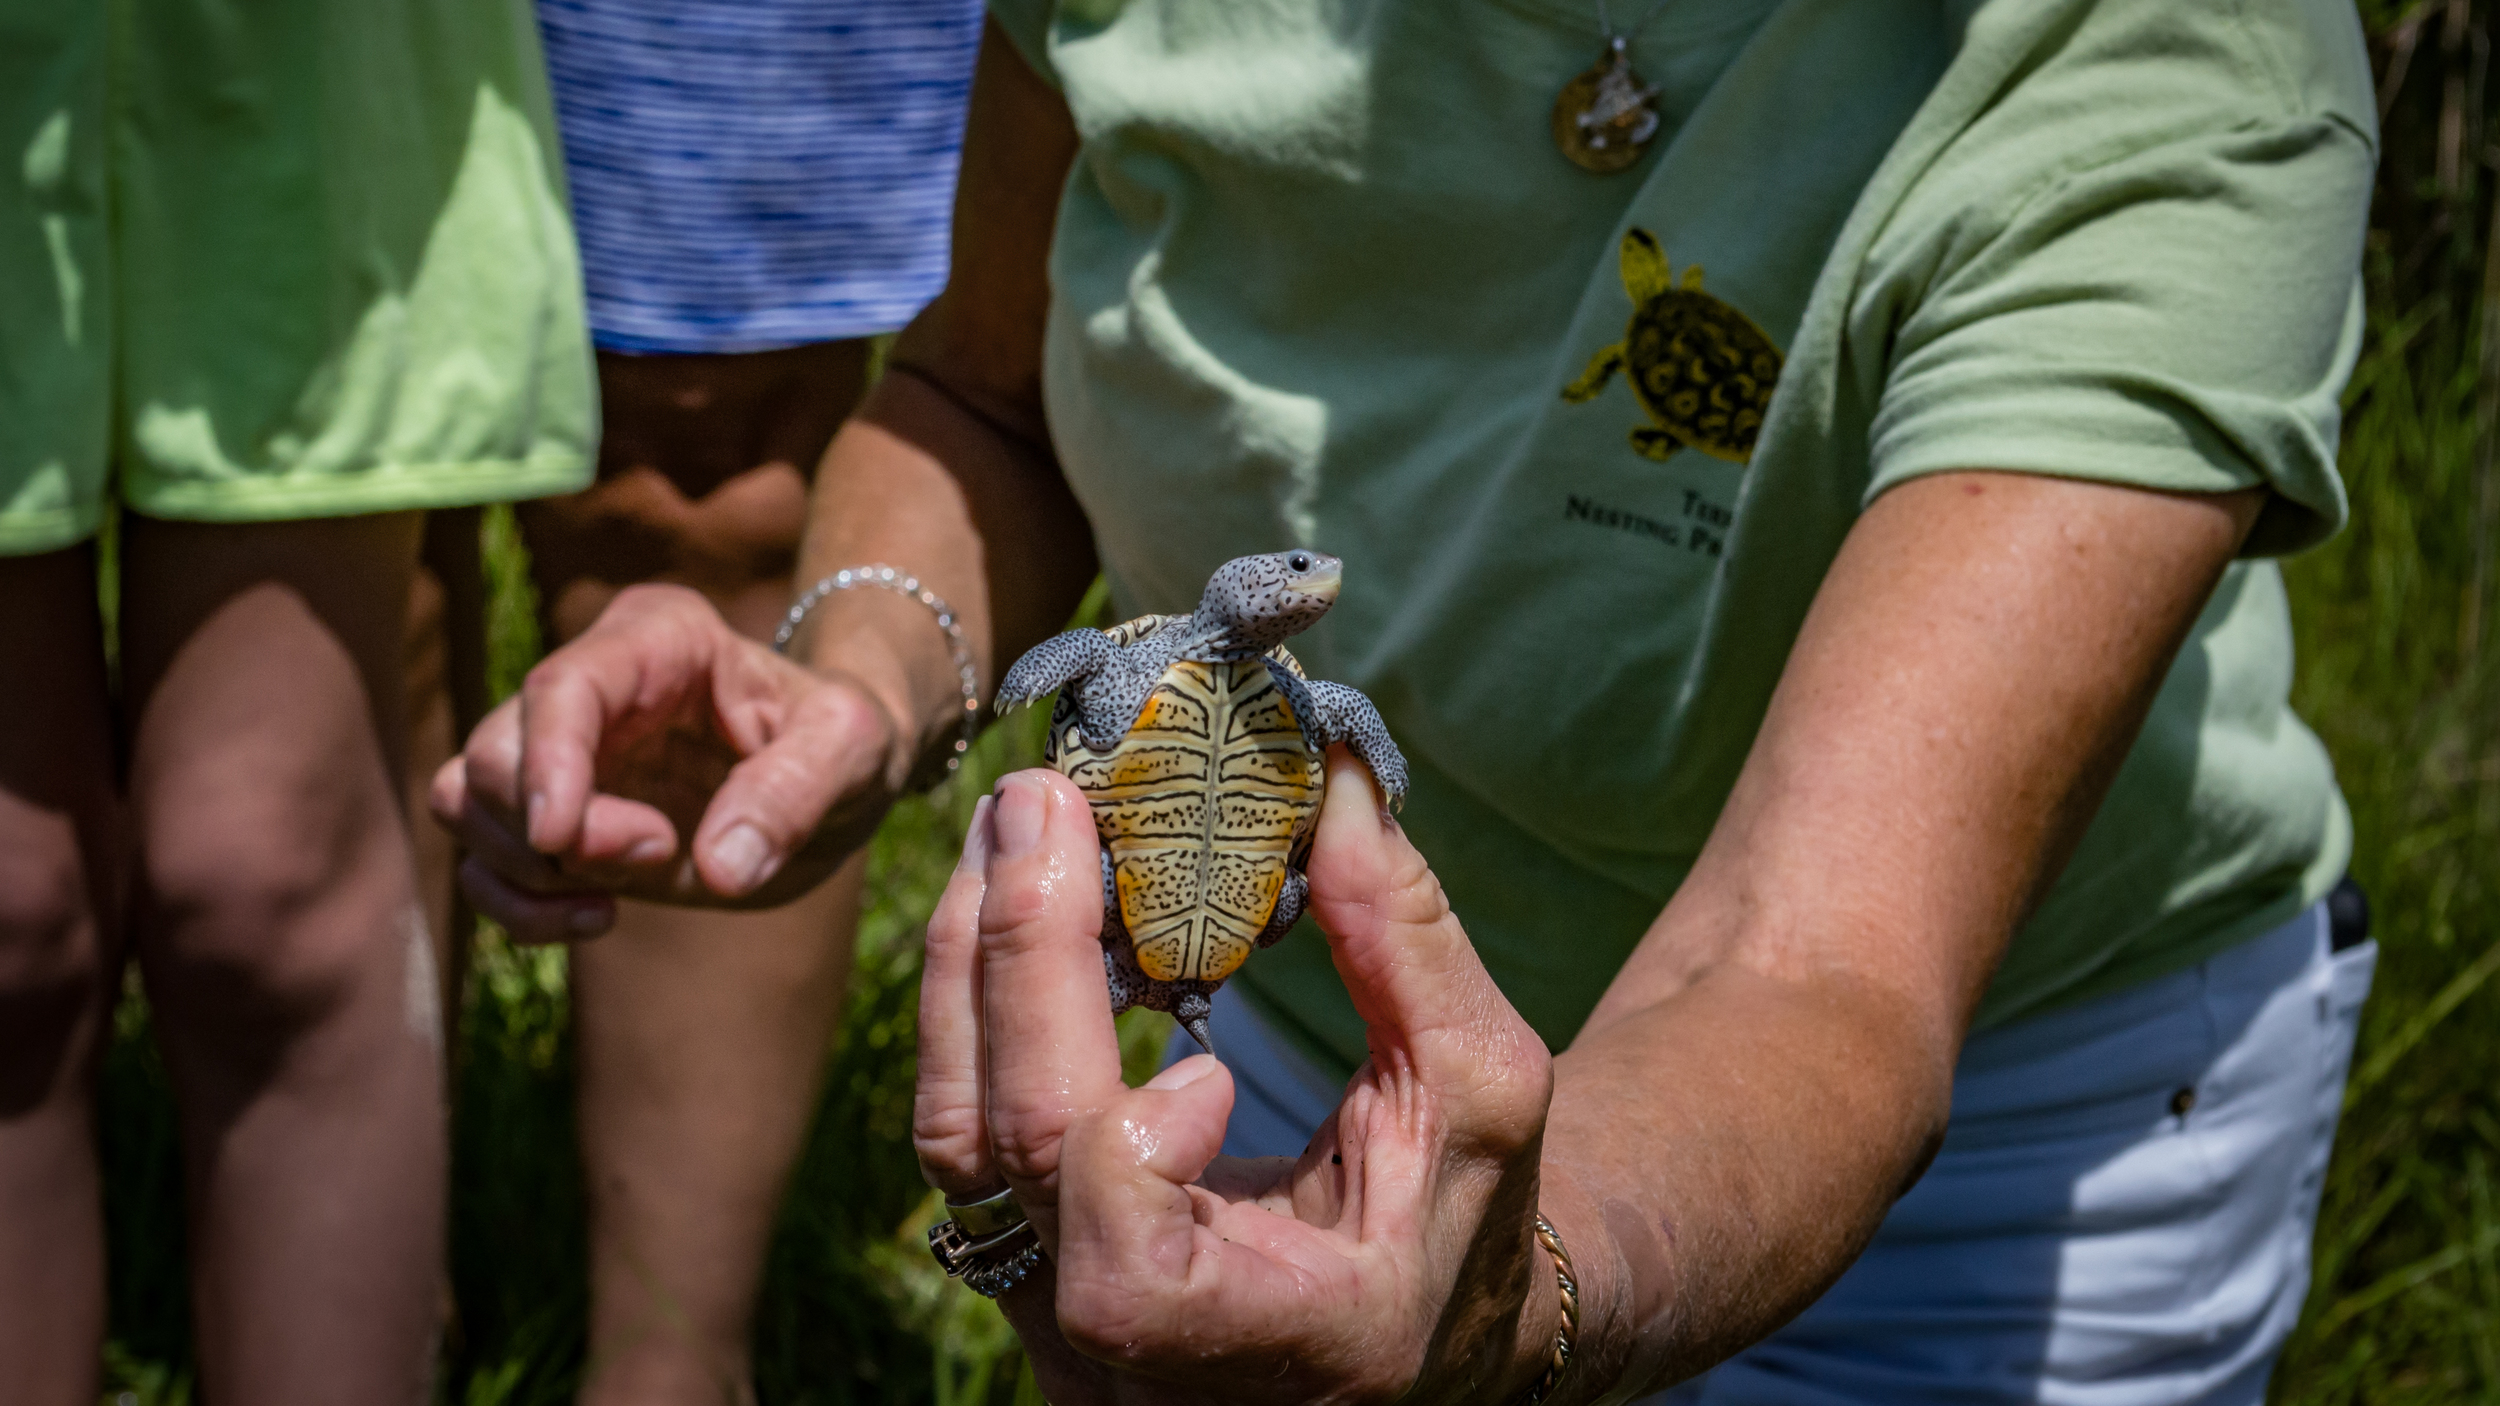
x=1191 y=1011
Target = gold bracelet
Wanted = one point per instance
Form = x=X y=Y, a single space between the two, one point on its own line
x=1567 y=1332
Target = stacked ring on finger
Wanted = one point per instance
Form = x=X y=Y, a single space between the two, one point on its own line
x=988 y=1244
x=991 y=1280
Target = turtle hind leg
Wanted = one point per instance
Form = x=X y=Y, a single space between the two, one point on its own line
x=1290 y=901
x=1602 y=368
x=1129 y=984
x=1655 y=444
x=1126 y=992
x=1113 y=926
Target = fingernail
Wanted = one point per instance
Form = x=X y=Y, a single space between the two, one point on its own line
x=744 y=857
x=976 y=837
x=1180 y=1076
x=589 y=922
x=537 y=808
x=1016 y=824
x=650 y=850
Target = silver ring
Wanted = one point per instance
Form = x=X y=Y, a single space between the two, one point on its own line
x=961 y=1255
x=988 y=1216
x=991 y=1280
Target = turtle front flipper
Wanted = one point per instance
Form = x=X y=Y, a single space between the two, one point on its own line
x=1110 y=699
x=1342 y=714
x=1602 y=368
x=1053 y=664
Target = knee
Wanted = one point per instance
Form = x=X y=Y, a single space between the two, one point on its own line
x=48 y=922
x=269 y=910
x=51 y=961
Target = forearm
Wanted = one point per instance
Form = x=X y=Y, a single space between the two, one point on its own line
x=1715 y=1160
x=1773 y=1065
x=947 y=471
x=919 y=481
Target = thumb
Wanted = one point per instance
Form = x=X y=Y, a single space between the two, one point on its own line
x=1406 y=960
x=832 y=742
x=1126 y=1215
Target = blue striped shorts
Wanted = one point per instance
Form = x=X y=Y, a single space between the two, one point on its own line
x=752 y=174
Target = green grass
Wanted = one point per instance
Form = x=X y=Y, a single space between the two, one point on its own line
x=2406 y=1305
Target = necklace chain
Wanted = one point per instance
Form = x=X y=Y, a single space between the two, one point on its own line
x=1607 y=29
x=1604 y=119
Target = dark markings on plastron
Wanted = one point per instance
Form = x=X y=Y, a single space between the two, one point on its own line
x=1201 y=806
x=1204 y=805
x=1140 y=768
x=1178 y=817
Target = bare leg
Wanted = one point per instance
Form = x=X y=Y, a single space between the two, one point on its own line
x=276 y=920
x=701 y=1037
x=702 y=1040
x=445 y=685
x=56 y=974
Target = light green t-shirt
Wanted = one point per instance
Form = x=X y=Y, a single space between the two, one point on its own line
x=284 y=259
x=1321 y=275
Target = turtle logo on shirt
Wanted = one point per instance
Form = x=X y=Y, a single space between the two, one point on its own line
x=1702 y=370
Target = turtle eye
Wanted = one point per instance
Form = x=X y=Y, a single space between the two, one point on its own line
x=1299 y=561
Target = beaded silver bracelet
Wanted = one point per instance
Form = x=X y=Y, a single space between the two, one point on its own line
x=902 y=584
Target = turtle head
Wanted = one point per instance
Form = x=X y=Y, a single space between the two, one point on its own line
x=1254 y=604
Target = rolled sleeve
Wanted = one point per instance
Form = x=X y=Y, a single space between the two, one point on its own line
x=2180 y=317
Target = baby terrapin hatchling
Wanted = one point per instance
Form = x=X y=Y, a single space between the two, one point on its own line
x=1199 y=743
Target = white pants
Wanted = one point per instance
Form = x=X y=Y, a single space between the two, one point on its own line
x=2120 y=1215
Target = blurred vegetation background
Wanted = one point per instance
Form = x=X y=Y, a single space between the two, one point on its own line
x=2399 y=625
x=2400 y=671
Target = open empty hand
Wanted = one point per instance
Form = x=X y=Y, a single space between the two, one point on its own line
x=662 y=755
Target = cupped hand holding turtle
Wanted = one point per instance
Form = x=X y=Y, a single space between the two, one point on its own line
x=663 y=755
x=1396 y=1255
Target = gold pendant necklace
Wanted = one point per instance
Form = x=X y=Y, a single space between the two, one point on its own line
x=1605 y=118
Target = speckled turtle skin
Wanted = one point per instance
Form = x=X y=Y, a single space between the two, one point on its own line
x=1200 y=744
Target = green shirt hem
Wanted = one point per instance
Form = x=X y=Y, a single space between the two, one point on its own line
x=382 y=489
x=2154 y=958
x=50 y=530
